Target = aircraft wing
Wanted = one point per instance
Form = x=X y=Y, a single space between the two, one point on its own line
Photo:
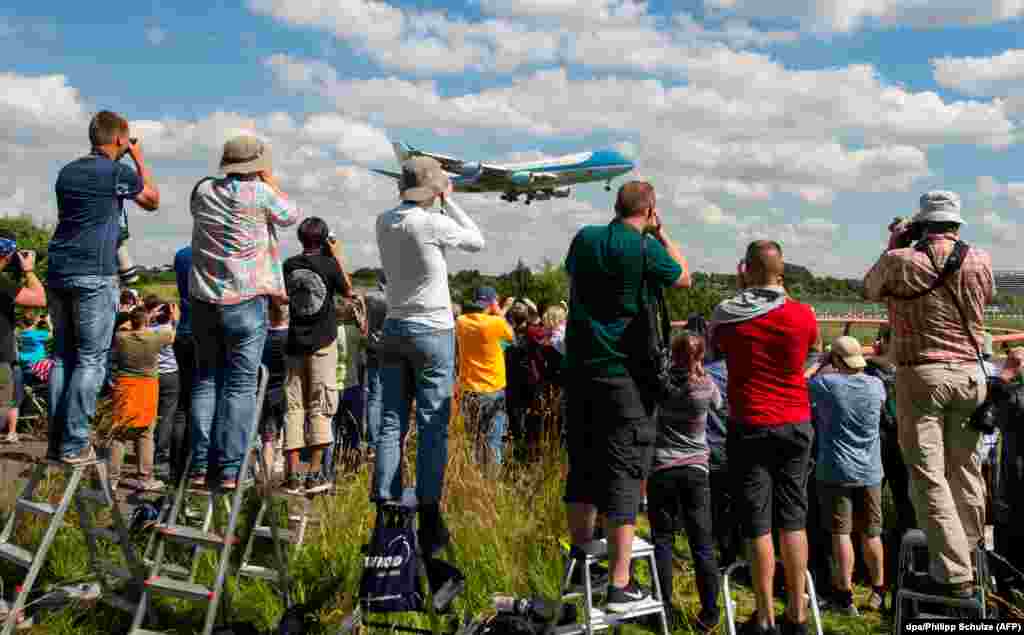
x=394 y=175
x=448 y=164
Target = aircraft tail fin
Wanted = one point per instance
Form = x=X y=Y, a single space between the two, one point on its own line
x=402 y=151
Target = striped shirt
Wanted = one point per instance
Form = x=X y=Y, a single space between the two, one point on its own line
x=235 y=251
x=682 y=422
x=929 y=329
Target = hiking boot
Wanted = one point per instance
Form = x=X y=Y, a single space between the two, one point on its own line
x=432 y=534
x=626 y=599
x=316 y=482
x=754 y=627
x=293 y=484
x=598 y=578
x=84 y=455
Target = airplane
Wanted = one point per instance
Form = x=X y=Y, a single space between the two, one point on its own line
x=537 y=180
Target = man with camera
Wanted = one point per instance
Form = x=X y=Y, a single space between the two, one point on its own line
x=612 y=428
x=936 y=289
x=29 y=293
x=82 y=276
x=416 y=351
x=236 y=272
x=312 y=278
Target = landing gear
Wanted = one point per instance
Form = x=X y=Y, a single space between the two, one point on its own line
x=528 y=200
x=608 y=186
x=511 y=197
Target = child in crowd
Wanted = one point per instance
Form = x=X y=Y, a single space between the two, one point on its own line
x=352 y=339
x=679 y=486
x=272 y=417
x=33 y=331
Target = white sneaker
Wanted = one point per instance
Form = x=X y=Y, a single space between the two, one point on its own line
x=11 y=437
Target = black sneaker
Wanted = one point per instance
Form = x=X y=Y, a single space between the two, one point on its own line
x=598 y=578
x=839 y=605
x=293 y=484
x=792 y=628
x=754 y=627
x=85 y=455
x=316 y=482
x=627 y=599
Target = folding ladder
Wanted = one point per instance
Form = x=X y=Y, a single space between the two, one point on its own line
x=170 y=580
x=596 y=619
x=88 y=499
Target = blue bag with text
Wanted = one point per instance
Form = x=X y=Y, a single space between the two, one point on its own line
x=391 y=571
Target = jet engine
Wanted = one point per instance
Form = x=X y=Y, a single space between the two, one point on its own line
x=469 y=169
x=561 y=192
x=520 y=179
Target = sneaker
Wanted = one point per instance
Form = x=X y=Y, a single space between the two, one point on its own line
x=293 y=484
x=786 y=627
x=150 y=485
x=834 y=605
x=876 y=601
x=598 y=578
x=627 y=599
x=754 y=627
x=84 y=455
x=11 y=437
x=316 y=482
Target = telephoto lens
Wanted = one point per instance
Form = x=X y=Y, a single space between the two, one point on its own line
x=126 y=269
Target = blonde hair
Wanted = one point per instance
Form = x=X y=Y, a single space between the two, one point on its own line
x=554 y=315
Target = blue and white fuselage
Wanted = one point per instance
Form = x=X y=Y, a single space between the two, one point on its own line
x=537 y=180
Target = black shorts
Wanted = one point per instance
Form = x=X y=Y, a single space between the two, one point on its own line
x=769 y=466
x=610 y=438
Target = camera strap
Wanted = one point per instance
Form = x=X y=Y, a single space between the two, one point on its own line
x=959 y=253
x=192 y=196
x=953 y=264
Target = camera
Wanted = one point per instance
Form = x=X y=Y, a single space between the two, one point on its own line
x=331 y=238
x=126 y=269
x=163 y=315
x=912 y=232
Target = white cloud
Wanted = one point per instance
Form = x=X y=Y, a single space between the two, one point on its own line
x=997 y=76
x=44 y=102
x=156 y=35
x=1003 y=231
x=992 y=189
x=852 y=15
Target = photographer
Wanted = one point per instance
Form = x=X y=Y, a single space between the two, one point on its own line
x=312 y=278
x=82 y=283
x=162 y=314
x=236 y=272
x=29 y=294
x=936 y=344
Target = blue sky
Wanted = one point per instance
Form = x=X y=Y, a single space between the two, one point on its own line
x=814 y=124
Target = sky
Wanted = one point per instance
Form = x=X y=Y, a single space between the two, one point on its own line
x=811 y=122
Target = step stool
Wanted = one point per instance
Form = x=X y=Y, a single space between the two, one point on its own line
x=730 y=604
x=169 y=580
x=434 y=602
x=87 y=500
x=914 y=542
x=595 y=619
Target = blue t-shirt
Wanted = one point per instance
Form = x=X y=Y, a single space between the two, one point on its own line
x=90 y=201
x=182 y=268
x=32 y=346
x=847 y=412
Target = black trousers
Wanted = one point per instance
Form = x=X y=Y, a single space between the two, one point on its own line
x=185 y=353
x=723 y=517
x=166 y=410
x=680 y=498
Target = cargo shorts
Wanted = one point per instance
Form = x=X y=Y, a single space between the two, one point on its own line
x=311 y=396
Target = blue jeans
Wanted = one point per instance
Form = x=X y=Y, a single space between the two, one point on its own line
x=83 y=309
x=374 y=401
x=229 y=343
x=486 y=416
x=416 y=362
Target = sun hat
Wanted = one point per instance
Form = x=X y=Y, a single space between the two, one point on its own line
x=245 y=154
x=939 y=206
x=422 y=179
x=848 y=349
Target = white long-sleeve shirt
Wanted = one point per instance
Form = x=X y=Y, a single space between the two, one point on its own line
x=412 y=243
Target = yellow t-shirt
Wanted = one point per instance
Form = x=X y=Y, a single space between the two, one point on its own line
x=481 y=357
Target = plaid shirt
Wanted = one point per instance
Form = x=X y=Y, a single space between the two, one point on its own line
x=930 y=329
x=235 y=252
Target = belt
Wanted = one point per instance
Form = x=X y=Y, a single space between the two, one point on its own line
x=927 y=362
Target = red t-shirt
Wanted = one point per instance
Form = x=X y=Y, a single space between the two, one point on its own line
x=765 y=357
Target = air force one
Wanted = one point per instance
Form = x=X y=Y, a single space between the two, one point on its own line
x=536 y=180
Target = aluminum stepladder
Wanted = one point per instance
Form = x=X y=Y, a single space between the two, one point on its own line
x=170 y=580
x=730 y=604
x=436 y=603
x=87 y=500
x=267 y=526
x=596 y=619
x=915 y=543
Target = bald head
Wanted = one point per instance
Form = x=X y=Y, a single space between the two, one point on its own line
x=764 y=264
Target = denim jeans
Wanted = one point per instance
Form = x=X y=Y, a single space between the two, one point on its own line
x=229 y=343
x=416 y=362
x=185 y=355
x=83 y=309
x=374 y=402
x=486 y=419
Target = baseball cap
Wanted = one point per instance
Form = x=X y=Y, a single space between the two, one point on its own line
x=422 y=179
x=485 y=296
x=848 y=349
x=245 y=154
x=939 y=206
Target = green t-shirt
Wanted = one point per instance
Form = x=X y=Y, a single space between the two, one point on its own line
x=604 y=264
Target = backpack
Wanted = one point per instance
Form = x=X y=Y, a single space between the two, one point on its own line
x=391 y=569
